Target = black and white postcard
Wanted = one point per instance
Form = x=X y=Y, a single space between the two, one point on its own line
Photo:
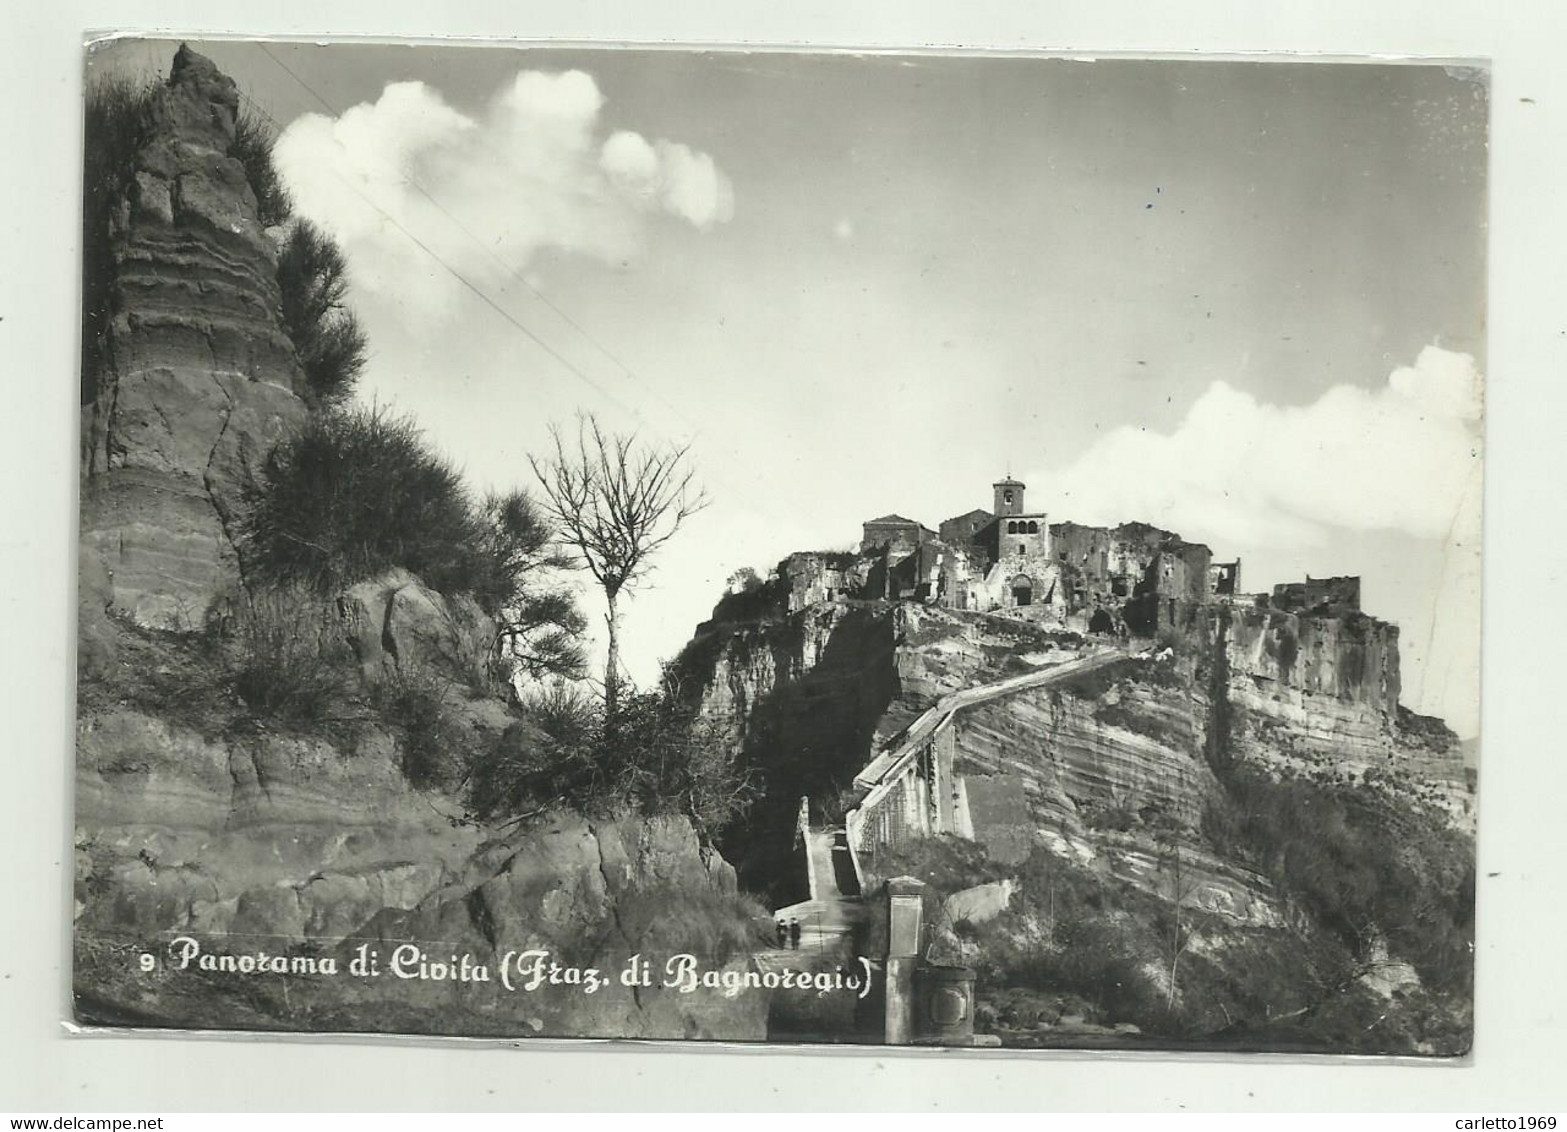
x=967 y=550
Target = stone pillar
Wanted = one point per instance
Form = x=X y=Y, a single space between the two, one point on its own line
x=945 y=1005
x=905 y=911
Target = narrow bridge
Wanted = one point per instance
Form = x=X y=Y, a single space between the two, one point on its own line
x=911 y=790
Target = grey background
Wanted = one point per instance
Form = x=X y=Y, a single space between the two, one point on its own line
x=1521 y=1004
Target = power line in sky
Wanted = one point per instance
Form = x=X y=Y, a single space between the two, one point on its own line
x=462 y=279
x=483 y=246
x=733 y=459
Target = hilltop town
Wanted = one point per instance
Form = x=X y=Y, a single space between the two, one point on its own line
x=1133 y=580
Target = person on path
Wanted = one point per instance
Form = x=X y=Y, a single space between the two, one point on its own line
x=794 y=934
x=783 y=933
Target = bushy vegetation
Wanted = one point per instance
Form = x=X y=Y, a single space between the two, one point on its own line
x=252 y=148
x=750 y=597
x=283 y=664
x=1362 y=868
x=356 y=492
x=312 y=275
x=651 y=756
x=432 y=745
x=271 y=659
x=351 y=495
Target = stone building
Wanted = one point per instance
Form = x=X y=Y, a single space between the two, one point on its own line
x=1330 y=597
x=1132 y=579
x=897 y=535
x=1224 y=578
x=999 y=560
x=961 y=530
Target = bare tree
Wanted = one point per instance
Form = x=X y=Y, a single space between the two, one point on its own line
x=616 y=501
x=1189 y=917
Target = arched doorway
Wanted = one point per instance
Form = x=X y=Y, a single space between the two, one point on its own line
x=1022 y=590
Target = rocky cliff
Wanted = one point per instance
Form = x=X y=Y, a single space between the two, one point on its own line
x=1317 y=698
x=199 y=377
x=802 y=697
x=209 y=804
x=1205 y=799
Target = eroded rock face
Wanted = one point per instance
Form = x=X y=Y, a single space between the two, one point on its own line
x=1115 y=783
x=1316 y=698
x=200 y=379
x=590 y=895
x=395 y=622
x=1115 y=775
x=800 y=696
x=284 y=836
x=289 y=845
x=1352 y=658
x=198 y=817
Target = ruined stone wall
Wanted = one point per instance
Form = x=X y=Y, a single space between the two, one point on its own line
x=1224 y=578
x=1330 y=596
x=1086 y=548
x=898 y=539
x=1182 y=571
x=961 y=530
x=1047 y=595
x=961 y=576
x=813 y=578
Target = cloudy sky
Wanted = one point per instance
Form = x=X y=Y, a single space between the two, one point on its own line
x=1241 y=300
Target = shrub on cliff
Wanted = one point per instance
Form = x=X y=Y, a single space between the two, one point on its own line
x=672 y=760
x=283 y=664
x=252 y=148
x=415 y=704
x=312 y=275
x=653 y=756
x=1363 y=868
x=357 y=492
x=350 y=495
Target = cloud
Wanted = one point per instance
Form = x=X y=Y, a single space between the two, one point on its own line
x=670 y=176
x=484 y=193
x=1295 y=485
x=1404 y=457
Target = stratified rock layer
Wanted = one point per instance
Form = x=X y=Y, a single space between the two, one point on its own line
x=280 y=836
x=200 y=378
x=198 y=818
x=1112 y=772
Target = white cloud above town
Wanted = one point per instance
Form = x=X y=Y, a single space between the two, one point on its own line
x=1404 y=457
x=536 y=169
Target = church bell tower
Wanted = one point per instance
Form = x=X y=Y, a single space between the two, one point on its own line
x=1009 y=497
